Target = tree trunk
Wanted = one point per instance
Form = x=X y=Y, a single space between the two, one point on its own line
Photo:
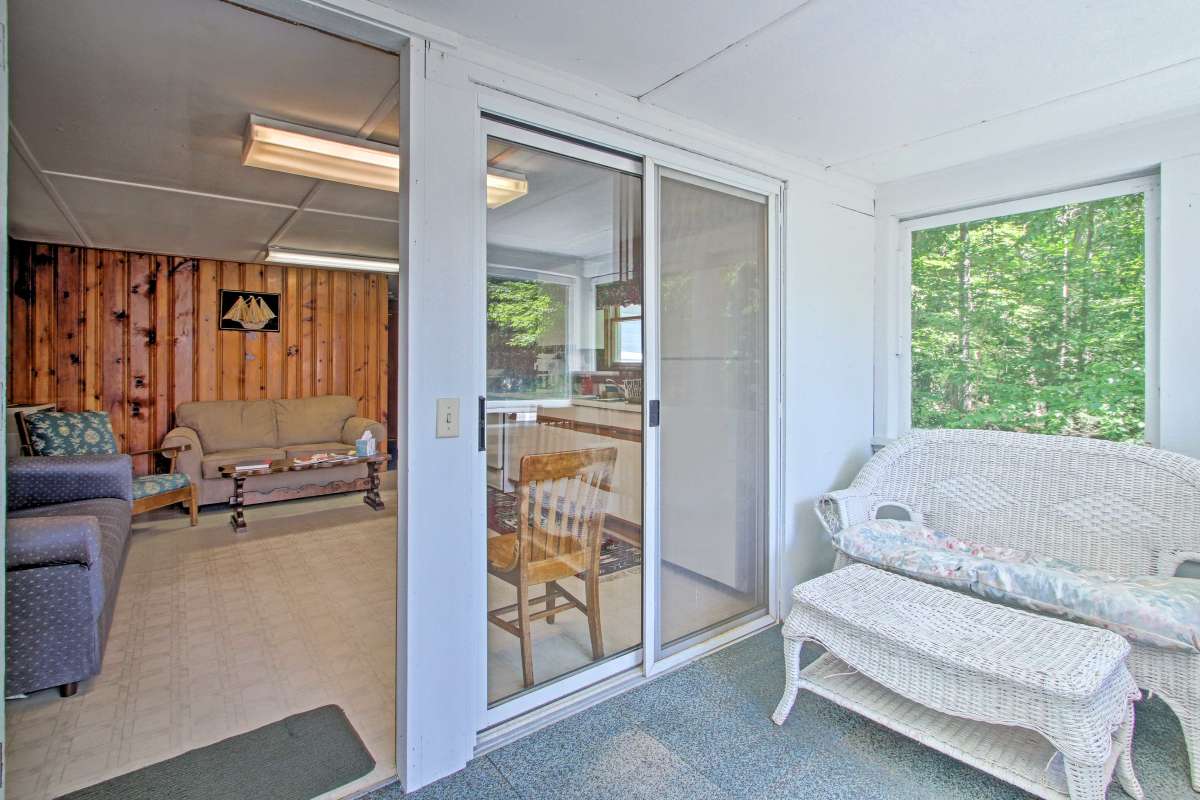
x=964 y=399
x=1086 y=287
x=1064 y=322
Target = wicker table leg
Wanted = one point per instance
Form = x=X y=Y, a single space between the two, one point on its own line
x=372 y=496
x=1085 y=781
x=791 y=666
x=238 y=519
x=1125 y=774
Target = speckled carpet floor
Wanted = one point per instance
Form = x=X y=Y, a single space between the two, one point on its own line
x=704 y=732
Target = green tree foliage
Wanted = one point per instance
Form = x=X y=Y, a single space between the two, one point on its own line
x=518 y=311
x=1033 y=322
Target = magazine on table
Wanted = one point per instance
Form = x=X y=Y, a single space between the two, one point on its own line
x=321 y=458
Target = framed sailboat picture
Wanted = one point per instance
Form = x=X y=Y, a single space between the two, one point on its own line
x=249 y=311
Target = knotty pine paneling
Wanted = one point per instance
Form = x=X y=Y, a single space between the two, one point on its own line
x=136 y=334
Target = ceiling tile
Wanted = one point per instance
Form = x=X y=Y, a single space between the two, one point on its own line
x=843 y=80
x=348 y=199
x=32 y=215
x=327 y=233
x=158 y=91
x=130 y=218
x=628 y=45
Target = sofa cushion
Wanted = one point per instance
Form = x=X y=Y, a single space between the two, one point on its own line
x=230 y=424
x=150 y=485
x=70 y=433
x=1159 y=611
x=313 y=419
x=210 y=465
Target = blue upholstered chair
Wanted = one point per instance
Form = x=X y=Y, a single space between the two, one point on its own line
x=79 y=433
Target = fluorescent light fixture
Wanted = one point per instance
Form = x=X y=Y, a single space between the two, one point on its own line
x=504 y=187
x=299 y=150
x=305 y=258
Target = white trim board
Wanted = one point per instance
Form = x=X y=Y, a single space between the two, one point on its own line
x=894 y=396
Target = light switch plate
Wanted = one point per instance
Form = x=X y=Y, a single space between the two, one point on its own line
x=447 y=417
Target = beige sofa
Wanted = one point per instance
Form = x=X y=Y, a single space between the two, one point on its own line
x=245 y=431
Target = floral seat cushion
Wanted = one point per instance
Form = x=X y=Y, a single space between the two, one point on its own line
x=150 y=485
x=1154 y=610
x=70 y=433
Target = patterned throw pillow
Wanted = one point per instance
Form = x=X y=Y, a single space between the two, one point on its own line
x=71 y=433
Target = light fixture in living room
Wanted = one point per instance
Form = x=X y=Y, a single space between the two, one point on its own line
x=306 y=258
x=504 y=187
x=300 y=150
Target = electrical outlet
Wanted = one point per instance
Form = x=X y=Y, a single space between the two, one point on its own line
x=447 y=417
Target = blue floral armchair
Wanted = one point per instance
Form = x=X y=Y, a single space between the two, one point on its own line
x=79 y=433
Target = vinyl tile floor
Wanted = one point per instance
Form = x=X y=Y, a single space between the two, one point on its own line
x=704 y=732
x=217 y=633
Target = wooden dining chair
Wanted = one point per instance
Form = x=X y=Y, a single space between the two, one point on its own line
x=561 y=502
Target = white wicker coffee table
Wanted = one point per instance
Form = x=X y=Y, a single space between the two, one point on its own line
x=1044 y=704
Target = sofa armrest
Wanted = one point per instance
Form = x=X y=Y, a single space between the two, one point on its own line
x=843 y=508
x=191 y=453
x=52 y=541
x=355 y=426
x=47 y=480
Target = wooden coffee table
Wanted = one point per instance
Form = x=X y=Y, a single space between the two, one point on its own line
x=239 y=476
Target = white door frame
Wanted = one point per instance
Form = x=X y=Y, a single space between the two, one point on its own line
x=543 y=705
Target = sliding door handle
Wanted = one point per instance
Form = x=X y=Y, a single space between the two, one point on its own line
x=652 y=410
x=482 y=424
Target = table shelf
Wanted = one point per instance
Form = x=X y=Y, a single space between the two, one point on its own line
x=1021 y=757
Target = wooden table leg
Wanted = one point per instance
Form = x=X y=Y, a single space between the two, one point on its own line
x=372 y=496
x=238 y=520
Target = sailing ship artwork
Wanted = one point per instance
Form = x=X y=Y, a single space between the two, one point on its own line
x=249 y=311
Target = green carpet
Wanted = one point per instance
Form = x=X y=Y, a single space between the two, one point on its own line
x=296 y=758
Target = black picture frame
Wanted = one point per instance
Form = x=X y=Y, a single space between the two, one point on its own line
x=258 y=312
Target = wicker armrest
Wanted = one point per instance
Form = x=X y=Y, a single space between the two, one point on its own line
x=1169 y=561
x=843 y=508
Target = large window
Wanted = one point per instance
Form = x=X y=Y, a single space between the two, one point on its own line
x=1033 y=320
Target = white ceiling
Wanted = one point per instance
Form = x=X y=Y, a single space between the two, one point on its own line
x=880 y=89
x=567 y=212
x=127 y=124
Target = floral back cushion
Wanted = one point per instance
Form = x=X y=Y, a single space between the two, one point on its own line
x=71 y=433
x=1154 y=610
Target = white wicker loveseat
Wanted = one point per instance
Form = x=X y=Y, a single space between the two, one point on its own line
x=1126 y=509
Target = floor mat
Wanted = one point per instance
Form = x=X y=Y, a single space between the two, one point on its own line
x=296 y=758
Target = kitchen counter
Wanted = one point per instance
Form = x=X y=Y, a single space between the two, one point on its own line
x=621 y=405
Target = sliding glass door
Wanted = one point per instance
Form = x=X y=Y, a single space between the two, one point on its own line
x=715 y=390
x=626 y=415
x=563 y=409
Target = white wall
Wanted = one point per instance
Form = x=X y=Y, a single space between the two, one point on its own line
x=828 y=354
x=1180 y=327
x=828 y=351
x=1170 y=147
x=828 y=357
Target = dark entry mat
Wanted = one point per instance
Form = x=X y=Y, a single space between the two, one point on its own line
x=296 y=758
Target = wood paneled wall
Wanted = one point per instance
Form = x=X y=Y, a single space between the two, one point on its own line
x=136 y=334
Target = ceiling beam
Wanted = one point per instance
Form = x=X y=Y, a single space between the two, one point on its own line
x=22 y=147
x=754 y=34
x=365 y=21
x=209 y=195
